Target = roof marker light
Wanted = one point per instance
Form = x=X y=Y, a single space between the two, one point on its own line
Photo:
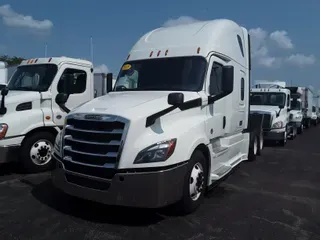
x=128 y=57
x=158 y=53
x=50 y=59
x=166 y=53
x=151 y=54
x=36 y=60
x=198 y=50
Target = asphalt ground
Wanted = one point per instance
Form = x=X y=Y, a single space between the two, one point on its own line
x=275 y=197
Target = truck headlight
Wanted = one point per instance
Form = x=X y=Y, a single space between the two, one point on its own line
x=158 y=152
x=57 y=143
x=278 y=124
x=3 y=130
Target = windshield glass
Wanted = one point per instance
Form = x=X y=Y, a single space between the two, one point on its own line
x=162 y=74
x=36 y=77
x=267 y=98
x=295 y=105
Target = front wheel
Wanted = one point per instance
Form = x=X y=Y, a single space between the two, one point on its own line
x=36 y=152
x=283 y=142
x=194 y=184
x=300 y=129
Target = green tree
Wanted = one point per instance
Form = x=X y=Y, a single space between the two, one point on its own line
x=11 y=60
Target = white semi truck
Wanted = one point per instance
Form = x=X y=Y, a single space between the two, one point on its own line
x=307 y=103
x=273 y=99
x=296 y=113
x=315 y=111
x=177 y=121
x=29 y=116
x=3 y=74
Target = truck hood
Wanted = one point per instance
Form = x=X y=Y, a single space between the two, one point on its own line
x=14 y=98
x=131 y=105
x=264 y=109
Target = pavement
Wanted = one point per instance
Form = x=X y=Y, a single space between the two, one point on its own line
x=275 y=197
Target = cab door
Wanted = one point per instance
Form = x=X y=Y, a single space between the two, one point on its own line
x=75 y=81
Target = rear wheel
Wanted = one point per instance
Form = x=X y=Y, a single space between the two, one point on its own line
x=194 y=184
x=36 y=152
x=283 y=142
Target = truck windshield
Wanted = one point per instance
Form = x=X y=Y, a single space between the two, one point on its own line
x=268 y=98
x=162 y=74
x=295 y=105
x=36 y=77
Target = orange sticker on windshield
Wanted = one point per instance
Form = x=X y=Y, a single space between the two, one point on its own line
x=126 y=67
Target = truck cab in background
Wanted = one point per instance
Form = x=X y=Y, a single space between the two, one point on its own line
x=296 y=113
x=273 y=99
x=30 y=118
x=177 y=121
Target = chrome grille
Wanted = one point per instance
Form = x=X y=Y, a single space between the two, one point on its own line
x=93 y=146
x=267 y=121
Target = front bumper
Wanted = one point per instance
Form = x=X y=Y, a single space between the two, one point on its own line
x=274 y=134
x=295 y=124
x=8 y=153
x=145 y=189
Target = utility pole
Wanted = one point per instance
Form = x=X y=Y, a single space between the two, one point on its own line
x=91 y=48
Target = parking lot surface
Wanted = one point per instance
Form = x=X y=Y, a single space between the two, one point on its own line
x=275 y=197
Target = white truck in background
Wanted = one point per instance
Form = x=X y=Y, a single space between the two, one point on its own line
x=30 y=118
x=273 y=99
x=3 y=74
x=307 y=103
x=315 y=117
x=177 y=121
x=296 y=113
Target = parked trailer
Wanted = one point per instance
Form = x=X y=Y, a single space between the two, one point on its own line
x=177 y=121
x=30 y=95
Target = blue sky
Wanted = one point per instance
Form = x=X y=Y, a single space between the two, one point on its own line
x=286 y=34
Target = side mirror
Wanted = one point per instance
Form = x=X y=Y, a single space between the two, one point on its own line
x=61 y=100
x=227 y=79
x=109 y=82
x=4 y=91
x=175 y=99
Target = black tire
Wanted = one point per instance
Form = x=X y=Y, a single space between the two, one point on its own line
x=187 y=205
x=260 y=144
x=25 y=158
x=300 y=129
x=283 y=142
x=253 y=149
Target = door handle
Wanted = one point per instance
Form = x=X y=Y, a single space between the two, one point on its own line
x=224 y=122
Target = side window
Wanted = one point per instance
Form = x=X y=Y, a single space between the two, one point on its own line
x=72 y=81
x=240 y=45
x=242 y=89
x=288 y=100
x=216 y=79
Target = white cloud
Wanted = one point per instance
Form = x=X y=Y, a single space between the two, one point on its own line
x=180 y=21
x=282 y=39
x=301 y=59
x=14 y=19
x=101 y=69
